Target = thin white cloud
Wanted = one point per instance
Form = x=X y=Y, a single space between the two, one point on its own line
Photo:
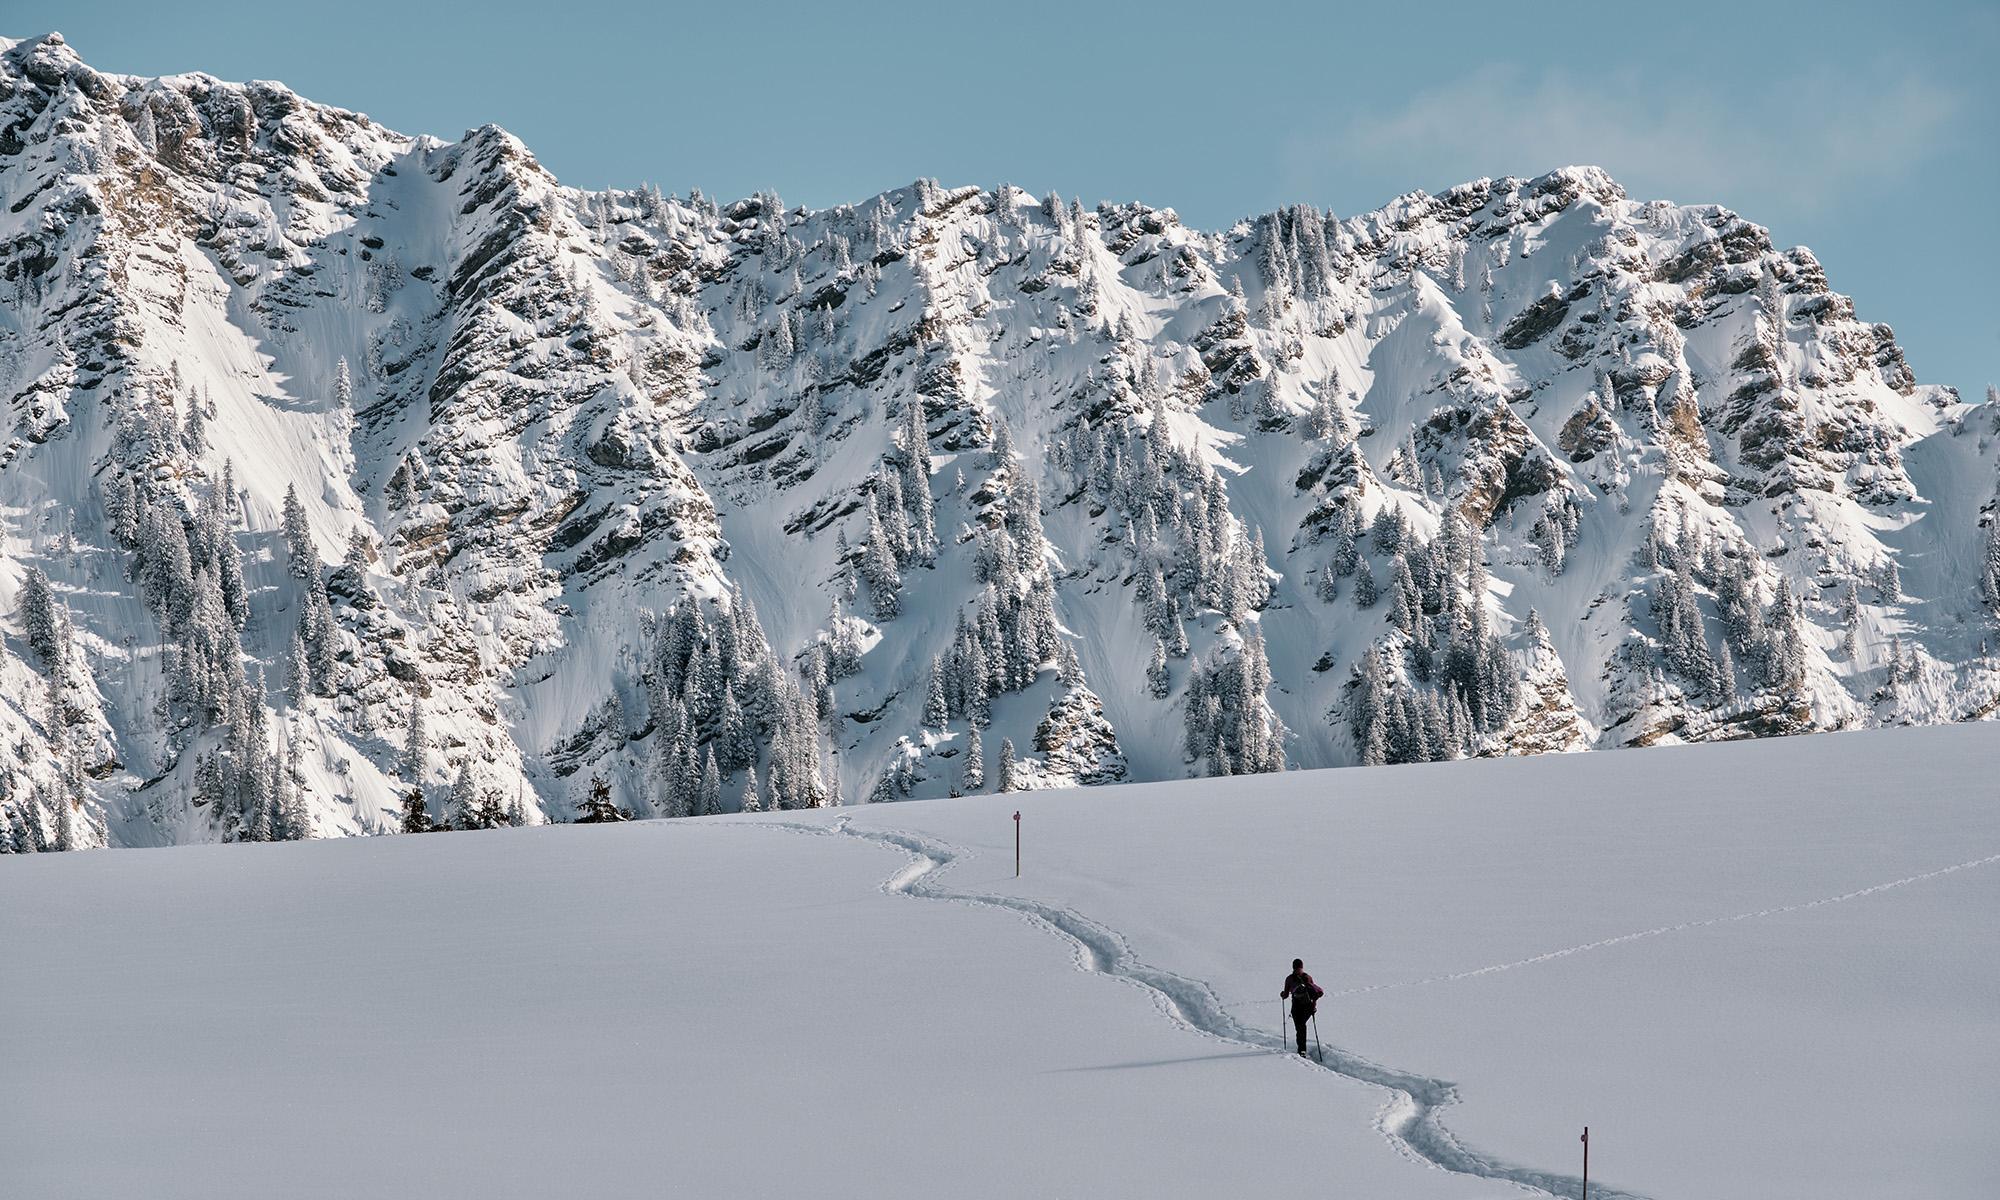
x=1802 y=142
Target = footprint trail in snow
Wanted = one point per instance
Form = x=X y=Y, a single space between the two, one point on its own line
x=1412 y=1120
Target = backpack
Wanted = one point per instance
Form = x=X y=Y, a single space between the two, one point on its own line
x=1305 y=993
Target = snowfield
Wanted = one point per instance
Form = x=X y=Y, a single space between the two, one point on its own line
x=1764 y=969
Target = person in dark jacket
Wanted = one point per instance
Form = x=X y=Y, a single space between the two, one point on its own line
x=1305 y=996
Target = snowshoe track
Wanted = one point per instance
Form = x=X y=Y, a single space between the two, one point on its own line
x=1412 y=1118
x=1662 y=930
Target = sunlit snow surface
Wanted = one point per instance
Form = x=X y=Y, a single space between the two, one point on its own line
x=1761 y=970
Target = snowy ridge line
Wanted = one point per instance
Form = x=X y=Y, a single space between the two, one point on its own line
x=1658 y=931
x=1412 y=1119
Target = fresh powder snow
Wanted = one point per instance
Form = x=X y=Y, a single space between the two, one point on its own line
x=1761 y=970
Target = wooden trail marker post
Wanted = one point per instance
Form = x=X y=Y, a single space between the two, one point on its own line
x=1017 y=843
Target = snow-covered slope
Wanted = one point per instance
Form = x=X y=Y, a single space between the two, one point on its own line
x=1755 y=977
x=342 y=466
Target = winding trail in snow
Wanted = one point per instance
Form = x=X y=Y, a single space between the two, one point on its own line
x=1411 y=1120
x=1662 y=930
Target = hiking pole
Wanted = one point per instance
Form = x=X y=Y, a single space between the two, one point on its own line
x=1319 y=1056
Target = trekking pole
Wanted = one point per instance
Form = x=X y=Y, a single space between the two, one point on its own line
x=1319 y=1055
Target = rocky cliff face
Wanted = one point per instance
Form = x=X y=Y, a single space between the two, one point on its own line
x=353 y=479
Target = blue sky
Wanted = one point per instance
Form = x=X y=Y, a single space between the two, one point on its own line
x=1869 y=132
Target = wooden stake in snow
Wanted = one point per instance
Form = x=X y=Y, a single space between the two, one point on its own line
x=1017 y=843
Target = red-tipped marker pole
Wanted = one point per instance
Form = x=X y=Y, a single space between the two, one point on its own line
x=1586 y=1162
x=1017 y=843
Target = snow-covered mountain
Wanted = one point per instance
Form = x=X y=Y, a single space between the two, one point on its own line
x=343 y=466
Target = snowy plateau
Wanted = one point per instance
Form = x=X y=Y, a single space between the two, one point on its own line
x=1757 y=971
x=354 y=481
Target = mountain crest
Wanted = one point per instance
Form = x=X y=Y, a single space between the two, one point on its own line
x=357 y=481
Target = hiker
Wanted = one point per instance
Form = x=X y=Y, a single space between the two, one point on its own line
x=1305 y=996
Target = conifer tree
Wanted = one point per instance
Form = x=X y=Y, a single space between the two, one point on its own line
x=974 y=777
x=711 y=786
x=1157 y=677
x=1007 y=766
x=1326 y=583
x=194 y=430
x=1069 y=668
x=895 y=519
x=319 y=633
x=1989 y=573
x=1346 y=549
x=416 y=815
x=298 y=677
x=416 y=746
x=360 y=552
x=65 y=823
x=598 y=807
x=752 y=800
x=878 y=568
x=1327 y=421
x=302 y=557
x=1177 y=639
x=917 y=482
x=1387 y=531
x=843 y=643
x=1405 y=603
x=1889 y=581
x=1023 y=516
x=935 y=714
x=123 y=509
x=737 y=743
x=42 y=620
x=295 y=817
x=1850 y=619
x=1365 y=591
x=229 y=579
x=1001 y=454
x=260 y=826
x=467 y=810
x=1786 y=659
